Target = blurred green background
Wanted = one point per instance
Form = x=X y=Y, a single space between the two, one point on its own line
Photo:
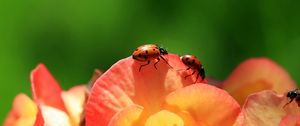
x=74 y=37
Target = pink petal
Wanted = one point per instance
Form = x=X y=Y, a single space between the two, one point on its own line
x=255 y=75
x=265 y=108
x=45 y=89
x=123 y=84
x=103 y=104
x=206 y=104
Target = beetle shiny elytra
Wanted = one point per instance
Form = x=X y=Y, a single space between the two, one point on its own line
x=148 y=53
x=193 y=63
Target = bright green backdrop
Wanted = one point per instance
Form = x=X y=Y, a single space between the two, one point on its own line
x=74 y=37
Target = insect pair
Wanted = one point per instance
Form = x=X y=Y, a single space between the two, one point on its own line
x=150 y=52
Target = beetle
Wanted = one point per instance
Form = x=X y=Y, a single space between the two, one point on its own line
x=148 y=53
x=293 y=95
x=193 y=63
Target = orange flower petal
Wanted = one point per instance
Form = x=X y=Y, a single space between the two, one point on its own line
x=23 y=112
x=265 y=108
x=74 y=100
x=126 y=117
x=255 y=75
x=164 y=118
x=45 y=89
x=123 y=84
x=207 y=104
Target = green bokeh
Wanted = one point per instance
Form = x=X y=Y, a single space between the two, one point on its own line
x=74 y=37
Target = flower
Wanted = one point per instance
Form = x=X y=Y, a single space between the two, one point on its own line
x=257 y=74
x=261 y=85
x=125 y=96
x=51 y=105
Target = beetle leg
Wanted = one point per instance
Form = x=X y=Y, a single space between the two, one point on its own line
x=202 y=73
x=158 y=59
x=198 y=74
x=190 y=74
x=148 y=62
x=288 y=102
x=184 y=69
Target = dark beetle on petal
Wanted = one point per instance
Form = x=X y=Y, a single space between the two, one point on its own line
x=148 y=53
x=293 y=95
x=193 y=63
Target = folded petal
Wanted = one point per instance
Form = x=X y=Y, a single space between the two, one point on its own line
x=51 y=116
x=164 y=118
x=22 y=113
x=123 y=84
x=128 y=116
x=97 y=73
x=255 y=75
x=74 y=100
x=207 y=104
x=265 y=108
x=45 y=89
x=39 y=121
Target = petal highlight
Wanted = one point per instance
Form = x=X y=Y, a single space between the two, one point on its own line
x=75 y=99
x=164 y=118
x=52 y=117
